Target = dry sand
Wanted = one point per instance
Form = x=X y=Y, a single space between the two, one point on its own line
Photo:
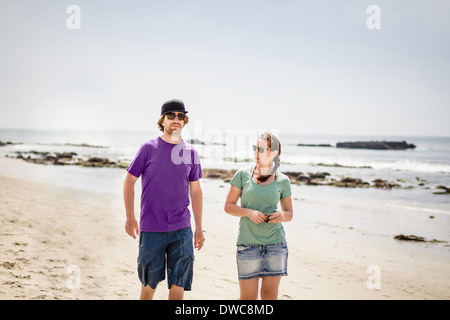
x=53 y=236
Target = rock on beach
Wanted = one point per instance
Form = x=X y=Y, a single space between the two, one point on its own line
x=67 y=158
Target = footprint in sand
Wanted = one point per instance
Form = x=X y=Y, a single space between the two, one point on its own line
x=9 y=265
x=21 y=244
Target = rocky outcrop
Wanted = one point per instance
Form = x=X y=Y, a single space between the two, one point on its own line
x=383 y=184
x=2 y=144
x=223 y=174
x=98 y=163
x=336 y=165
x=376 y=145
x=409 y=238
x=446 y=190
x=417 y=239
x=195 y=141
x=322 y=145
x=324 y=179
x=299 y=178
x=67 y=158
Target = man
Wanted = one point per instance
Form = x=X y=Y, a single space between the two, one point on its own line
x=168 y=178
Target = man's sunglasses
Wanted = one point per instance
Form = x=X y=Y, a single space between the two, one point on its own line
x=171 y=116
x=260 y=149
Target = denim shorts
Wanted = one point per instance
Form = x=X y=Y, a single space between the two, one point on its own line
x=261 y=261
x=158 y=249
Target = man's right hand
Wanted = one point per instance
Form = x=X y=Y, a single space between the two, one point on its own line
x=132 y=228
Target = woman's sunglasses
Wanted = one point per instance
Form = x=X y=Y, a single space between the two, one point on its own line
x=171 y=116
x=260 y=149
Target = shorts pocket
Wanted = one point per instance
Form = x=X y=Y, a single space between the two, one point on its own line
x=241 y=248
x=140 y=238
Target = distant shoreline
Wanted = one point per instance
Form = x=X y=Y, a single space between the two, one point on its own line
x=372 y=145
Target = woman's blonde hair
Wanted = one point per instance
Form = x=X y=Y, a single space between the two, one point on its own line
x=161 y=119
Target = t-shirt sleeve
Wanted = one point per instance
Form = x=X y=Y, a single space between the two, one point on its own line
x=286 y=189
x=196 y=171
x=237 y=180
x=137 y=166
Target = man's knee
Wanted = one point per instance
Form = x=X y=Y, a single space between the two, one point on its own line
x=176 y=292
x=147 y=292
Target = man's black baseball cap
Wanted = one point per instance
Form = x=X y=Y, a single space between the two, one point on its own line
x=173 y=105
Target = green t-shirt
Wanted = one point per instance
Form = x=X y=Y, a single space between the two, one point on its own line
x=263 y=198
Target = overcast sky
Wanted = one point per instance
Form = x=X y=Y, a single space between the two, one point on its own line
x=309 y=67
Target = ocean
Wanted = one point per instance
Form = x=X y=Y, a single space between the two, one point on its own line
x=429 y=161
x=419 y=171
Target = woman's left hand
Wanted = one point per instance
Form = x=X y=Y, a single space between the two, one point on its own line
x=276 y=217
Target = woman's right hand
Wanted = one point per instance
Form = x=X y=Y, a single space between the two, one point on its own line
x=256 y=216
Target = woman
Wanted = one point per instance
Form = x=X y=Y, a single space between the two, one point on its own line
x=261 y=245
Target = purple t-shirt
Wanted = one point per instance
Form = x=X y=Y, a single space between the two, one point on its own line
x=166 y=170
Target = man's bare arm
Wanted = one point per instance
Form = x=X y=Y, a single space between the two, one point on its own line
x=197 y=208
x=131 y=225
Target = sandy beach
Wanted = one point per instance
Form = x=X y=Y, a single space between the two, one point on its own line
x=62 y=242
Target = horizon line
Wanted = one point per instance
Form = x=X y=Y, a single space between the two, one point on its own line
x=156 y=130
